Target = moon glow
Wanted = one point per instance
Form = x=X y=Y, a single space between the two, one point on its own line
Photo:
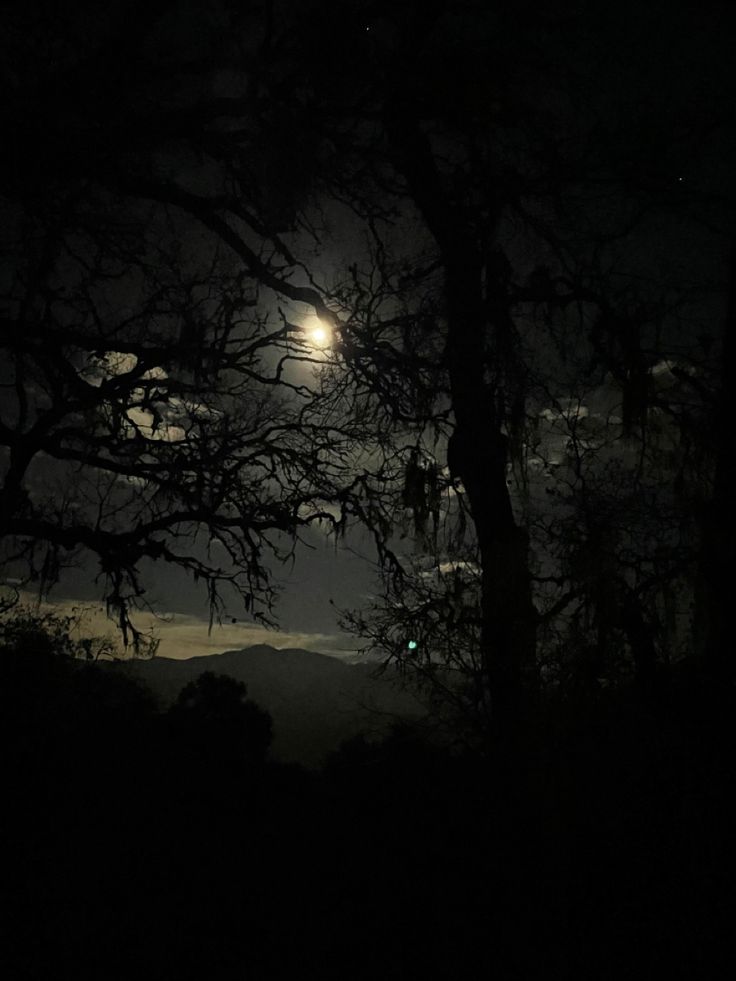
x=319 y=334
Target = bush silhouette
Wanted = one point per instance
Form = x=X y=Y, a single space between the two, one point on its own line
x=214 y=716
x=55 y=699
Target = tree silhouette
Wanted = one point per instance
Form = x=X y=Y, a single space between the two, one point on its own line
x=214 y=714
x=155 y=407
x=68 y=720
x=525 y=223
x=513 y=225
x=512 y=337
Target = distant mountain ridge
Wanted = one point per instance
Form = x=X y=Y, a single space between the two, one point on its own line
x=316 y=701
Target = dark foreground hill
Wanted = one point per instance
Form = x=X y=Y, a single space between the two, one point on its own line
x=143 y=845
x=315 y=701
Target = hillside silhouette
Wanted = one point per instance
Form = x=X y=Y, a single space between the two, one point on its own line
x=149 y=841
x=315 y=701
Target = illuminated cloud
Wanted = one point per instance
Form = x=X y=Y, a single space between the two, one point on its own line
x=183 y=635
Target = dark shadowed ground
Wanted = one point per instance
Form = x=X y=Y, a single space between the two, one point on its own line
x=139 y=844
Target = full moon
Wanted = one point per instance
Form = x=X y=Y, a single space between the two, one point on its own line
x=318 y=333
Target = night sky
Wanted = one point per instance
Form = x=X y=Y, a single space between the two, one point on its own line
x=403 y=328
x=670 y=68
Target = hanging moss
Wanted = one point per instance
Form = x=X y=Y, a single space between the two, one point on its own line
x=415 y=492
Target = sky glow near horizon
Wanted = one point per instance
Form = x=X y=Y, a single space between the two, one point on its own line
x=185 y=635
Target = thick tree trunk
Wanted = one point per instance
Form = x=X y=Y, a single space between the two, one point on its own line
x=477 y=454
x=641 y=641
x=718 y=546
